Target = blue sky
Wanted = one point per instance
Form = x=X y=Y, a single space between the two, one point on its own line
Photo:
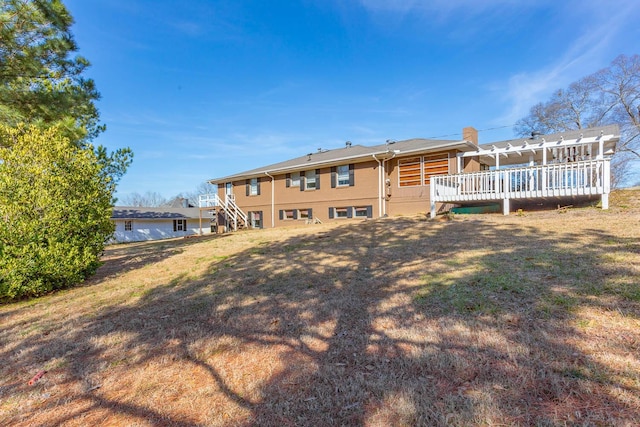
x=203 y=89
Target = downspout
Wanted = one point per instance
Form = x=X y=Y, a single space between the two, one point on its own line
x=384 y=182
x=380 y=187
x=273 y=195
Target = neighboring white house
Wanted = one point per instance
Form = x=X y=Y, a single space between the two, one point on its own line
x=135 y=224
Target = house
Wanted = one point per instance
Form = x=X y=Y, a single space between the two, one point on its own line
x=134 y=224
x=414 y=176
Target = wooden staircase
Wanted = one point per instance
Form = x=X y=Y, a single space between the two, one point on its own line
x=235 y=217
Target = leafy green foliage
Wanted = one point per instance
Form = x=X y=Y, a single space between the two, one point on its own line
x=55 y=209
x=39 y=81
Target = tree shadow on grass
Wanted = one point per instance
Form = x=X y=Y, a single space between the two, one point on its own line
x=390 y=322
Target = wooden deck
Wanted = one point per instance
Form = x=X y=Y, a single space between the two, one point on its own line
x=581 y=178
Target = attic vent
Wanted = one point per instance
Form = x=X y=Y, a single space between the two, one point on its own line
x=347 y=144
x=535 y=134
x=391 y=141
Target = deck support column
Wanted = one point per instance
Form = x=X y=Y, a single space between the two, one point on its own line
x=432 y=196
x=505 y=206
x=605 y=201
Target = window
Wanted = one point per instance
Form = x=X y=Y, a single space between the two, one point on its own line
x=295 y=179
x=310 y=180
x=128 y=225
x=252 y=187
x=255 y=219
x=343 y=175
x=289 y=214
x=228 y=189
x=361 y=212
x=351 y=212
x=304 y=214
x=342 y=212
x=179 y=225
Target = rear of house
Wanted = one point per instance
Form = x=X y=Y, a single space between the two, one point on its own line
x=404 y=178
x=353 y=182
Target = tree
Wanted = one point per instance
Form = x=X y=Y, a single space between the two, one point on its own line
x=41 y=84
x=55 y=210
x=611 y=95
x=39 y=81
x=150 y=199
x=202 y=188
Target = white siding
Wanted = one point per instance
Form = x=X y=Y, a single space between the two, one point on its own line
x=146 y=229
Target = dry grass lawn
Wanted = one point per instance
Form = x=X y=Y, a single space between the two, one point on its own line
x=530 y=319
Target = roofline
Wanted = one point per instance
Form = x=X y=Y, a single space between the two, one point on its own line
x=362 y=157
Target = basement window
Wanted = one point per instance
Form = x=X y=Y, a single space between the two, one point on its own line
x=342 y=212
x=362 y=212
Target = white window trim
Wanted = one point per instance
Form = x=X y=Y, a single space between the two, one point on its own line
x=295 y=179
x=309 y=180
x=342 y=180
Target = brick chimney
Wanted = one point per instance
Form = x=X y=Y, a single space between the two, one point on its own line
x=470 y=134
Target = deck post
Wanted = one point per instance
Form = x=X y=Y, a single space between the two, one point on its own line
x=505 y=206
x=606 y=180
x=432 y=196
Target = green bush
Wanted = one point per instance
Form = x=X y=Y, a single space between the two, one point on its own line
x=55 y=209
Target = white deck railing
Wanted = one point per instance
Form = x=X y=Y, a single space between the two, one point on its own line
x=590 y=177
x=209 y=201
x=232 y=211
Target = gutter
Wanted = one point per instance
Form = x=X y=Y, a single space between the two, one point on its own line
x=383 y=182
x=273 y=195
x=379 y=185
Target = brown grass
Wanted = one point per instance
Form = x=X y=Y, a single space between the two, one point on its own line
x=531 y=319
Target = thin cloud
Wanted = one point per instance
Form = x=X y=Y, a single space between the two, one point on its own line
x=589 y=52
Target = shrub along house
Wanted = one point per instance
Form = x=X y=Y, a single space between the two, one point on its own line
x=398 y=178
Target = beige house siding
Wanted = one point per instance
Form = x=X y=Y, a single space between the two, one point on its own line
x=410 y=200
x=364 y=193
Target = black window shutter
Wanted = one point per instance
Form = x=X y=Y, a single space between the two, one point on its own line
x=317 y=179
x=258 y=186
x=288 y=180
x=350 y=212
x=310 y=213
x=184 y=225
x=369 y=211
x=281 y=214
x=302 y=181
x=295 y=214
x=248 y=186
x=261 y=219
x=352 y=180
x=333 y=177
x=175 y=225
x=331 y=213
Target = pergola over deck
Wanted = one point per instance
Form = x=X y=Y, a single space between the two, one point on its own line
x=572 y=164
